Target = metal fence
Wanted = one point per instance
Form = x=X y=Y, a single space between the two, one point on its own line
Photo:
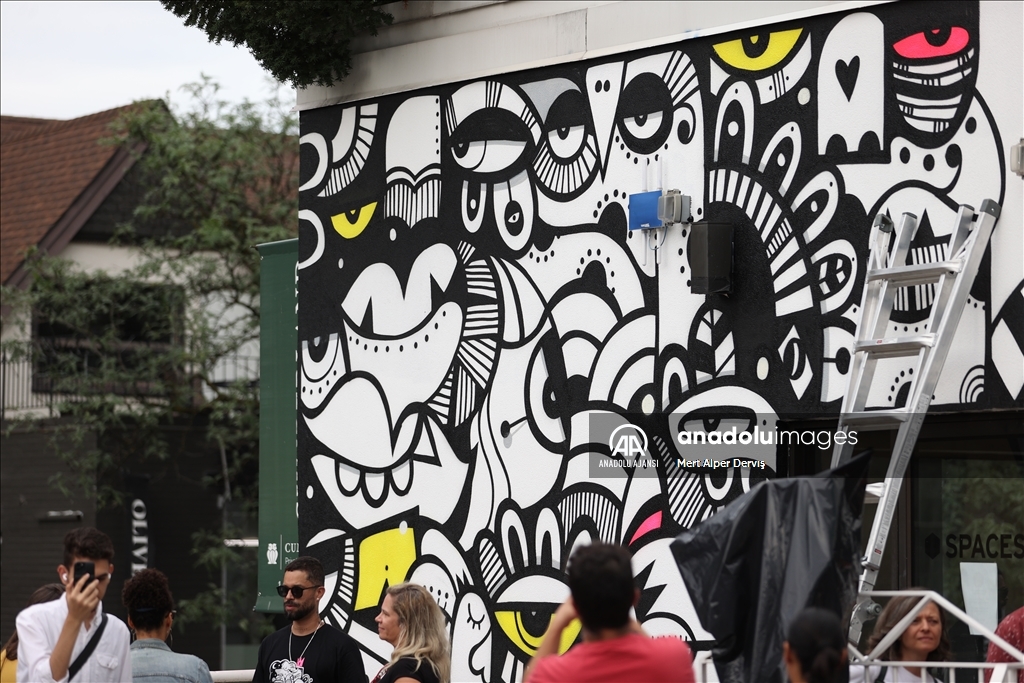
x=28 y=391
x=955 y=672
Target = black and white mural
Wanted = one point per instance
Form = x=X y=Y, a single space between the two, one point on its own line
x=470 y=299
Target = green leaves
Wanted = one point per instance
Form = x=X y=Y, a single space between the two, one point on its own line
x=303 y=43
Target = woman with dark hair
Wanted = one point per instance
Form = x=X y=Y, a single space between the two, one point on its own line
x=815 y=647
x=412 y=622
x=923 y=641
x=147 y=597
x=9 y=655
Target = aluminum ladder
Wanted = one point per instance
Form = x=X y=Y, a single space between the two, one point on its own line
x=886 y=273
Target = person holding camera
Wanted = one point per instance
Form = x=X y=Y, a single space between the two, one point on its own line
x=72 y=638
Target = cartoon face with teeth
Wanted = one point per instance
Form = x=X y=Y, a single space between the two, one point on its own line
x=378 y=361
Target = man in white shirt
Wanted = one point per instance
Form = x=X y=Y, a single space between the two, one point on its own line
x=53 y=635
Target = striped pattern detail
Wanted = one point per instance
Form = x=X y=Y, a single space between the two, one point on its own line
x=477 y=356
x=441 y=401
x=346 y=586
x=451 y=120
x=492 y=567
x=680 y=77
x=531 y=122
x=355 y=158
x=413 y=204
x=481 y=321
x=686 y=501
x=920 y=297
x=492 y=93
x=566 y=176
x=780 y=245
x=465 y=396
x=480 y=281
x=466 y=251
x=778 y=238
x=592 y=505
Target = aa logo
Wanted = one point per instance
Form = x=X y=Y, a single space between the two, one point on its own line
x=628 y=441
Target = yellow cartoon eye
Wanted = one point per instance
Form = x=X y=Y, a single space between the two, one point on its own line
x=760 y=51
x=511 y=622
x=349 y=224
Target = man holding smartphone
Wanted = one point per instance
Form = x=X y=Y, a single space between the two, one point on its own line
x=72 y=639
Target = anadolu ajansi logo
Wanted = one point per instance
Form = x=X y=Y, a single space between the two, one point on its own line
x=628 y=441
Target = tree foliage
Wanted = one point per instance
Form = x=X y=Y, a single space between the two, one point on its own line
x=168 y=344
x=303 y=43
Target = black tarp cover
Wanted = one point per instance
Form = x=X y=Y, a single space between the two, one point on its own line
x=785 y=545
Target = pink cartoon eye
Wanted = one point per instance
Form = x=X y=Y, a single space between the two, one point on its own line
x=936 y=42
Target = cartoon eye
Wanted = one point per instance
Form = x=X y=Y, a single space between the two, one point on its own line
x=318 y=356
x=514 y=211
x=566 y=142
x=525 y=627
x=350 y=224
x=566 y=163
x=469 y=154
x=643 y=126
x=760 y=51
x=490 y=141
x=938 y=42
x=645 y=113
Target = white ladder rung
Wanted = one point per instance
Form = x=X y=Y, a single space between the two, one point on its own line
x=893 y=347
x=921 y=274
x=875 y=420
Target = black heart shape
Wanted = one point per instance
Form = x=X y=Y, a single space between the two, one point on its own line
x=846 y=74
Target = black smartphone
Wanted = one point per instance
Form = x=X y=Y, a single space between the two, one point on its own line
x=85 y=569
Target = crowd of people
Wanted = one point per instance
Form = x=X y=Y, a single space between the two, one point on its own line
x=64 y=634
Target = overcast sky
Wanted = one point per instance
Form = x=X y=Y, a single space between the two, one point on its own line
x=67 y=59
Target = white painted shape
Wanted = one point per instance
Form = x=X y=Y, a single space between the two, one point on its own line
x=1008 y=359
x=858 y=36
x=979 y=581
x=603 y=105
x=317 y=141
x=414 y=373
x=412 y=137
x=342 y=140
x=399 y=308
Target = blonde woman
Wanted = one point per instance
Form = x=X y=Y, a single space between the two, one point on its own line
x=412 y=622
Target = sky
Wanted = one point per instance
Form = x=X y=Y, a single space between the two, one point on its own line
x=62 y=60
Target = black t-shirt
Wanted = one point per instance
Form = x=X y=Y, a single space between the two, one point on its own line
x=331 y=657
x=406 y=667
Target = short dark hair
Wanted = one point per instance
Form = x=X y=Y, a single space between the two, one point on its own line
x=817 y=639
x=601 y=581
x=314 y=570
x=147 y=597
x=88 y=544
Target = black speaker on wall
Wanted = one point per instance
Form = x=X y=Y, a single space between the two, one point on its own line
x=710 y=254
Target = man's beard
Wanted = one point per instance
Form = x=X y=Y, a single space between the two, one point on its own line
x=299 y=613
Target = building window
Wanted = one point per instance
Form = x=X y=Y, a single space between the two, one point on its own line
x=104 y=337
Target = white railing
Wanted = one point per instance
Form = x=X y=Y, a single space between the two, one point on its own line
x=233 y=676
x=1000 y=673
x=958 y=672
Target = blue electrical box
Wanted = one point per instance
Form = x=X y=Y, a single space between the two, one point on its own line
x=643 y=210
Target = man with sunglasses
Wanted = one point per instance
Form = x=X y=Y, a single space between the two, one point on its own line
x=71 y=638
x=307 y=650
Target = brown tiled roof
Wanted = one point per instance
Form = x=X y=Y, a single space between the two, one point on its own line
x=53 y=174
x=15 y=125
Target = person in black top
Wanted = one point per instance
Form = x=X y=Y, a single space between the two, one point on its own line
x=307 y=650
x=412 y=622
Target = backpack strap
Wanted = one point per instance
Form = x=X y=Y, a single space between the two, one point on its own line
x=881 y=674
x=84 y=655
